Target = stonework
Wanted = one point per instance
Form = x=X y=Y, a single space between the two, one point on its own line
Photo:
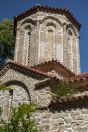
x=46 y=40
x=25 y=91
x=63 y=121
x=22 y=84
x=32 y=44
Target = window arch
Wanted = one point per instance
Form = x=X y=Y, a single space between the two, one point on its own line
x=71 y=28
x=26 y=43
x=27 y=27
x=70 y=36
x=51 y=24
x=50 y=31
x=72 y=51
x=69 y=48
x=51 y=19
x=27 y=21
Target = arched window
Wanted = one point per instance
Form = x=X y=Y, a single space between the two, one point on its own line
x=29 y=34
x=69 y=49
x=50 y=40
x=47 y=42
x=69 y=36
x=27 y=43
x=73 y=52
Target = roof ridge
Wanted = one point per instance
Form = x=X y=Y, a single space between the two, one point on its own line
x=69 y=102
x=14 y=64
x=82 y=76
x=64 y=66
x=54 y=61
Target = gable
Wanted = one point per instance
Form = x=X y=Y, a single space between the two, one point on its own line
x=24 y=70
x=15 y=77
x=54 y=67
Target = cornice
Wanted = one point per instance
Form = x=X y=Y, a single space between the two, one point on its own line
x=23 y=69
x=47 y=9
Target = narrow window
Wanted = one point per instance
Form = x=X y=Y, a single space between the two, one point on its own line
x=50 y=44
x=70 y=57
x=69 y=37
x=29 y=34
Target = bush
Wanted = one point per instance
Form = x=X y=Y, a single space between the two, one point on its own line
x=20 y=120
x=61 y=88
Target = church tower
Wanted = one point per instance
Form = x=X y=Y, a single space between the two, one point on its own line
x=45 y=34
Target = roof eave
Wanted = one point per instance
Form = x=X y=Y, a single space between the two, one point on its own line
x=46 y=9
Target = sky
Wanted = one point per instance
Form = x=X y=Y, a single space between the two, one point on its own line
x=79 y=8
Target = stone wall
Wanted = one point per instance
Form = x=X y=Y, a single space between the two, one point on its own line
x=7 y=100
x=25 y=90
x=74 y=120
x=20 y=81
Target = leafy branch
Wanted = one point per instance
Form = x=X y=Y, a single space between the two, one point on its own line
x=61 y=88
x=20 y=120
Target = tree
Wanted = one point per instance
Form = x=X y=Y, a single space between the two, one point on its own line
x=7 y=40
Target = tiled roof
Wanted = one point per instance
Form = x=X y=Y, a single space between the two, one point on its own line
x=37 y=8
x=58 y=103
x=24 y=69
x=82 y=76
x=40 y=73
x=56 y=65
x=69 y=102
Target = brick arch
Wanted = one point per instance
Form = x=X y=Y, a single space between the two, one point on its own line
x=46 y=24
x=28 y=20
x=72 y=47
x=19 y=83
x=12 y=77
x=51 y=24
x=71 y=27
x=52 y=18
x=26 y=26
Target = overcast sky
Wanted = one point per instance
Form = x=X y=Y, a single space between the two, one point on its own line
x=79 y=8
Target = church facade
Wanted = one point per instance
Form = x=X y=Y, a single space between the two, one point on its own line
x=47 y=50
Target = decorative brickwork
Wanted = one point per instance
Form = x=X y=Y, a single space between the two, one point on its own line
x=46 y=50
x=44 y=36
x=30 y=85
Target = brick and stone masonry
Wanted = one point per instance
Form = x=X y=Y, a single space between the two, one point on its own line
x=44 y=34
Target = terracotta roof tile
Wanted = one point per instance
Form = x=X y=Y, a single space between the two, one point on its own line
x=69 y=102
x=24 y=69
x=56 y=65
x=37 y=8
x=75 y=100
x=82 y=76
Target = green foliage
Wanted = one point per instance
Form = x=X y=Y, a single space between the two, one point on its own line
x=62 y=88
x=0 y=111
x=3 y=87
x=7 y=39
x=20 y=120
